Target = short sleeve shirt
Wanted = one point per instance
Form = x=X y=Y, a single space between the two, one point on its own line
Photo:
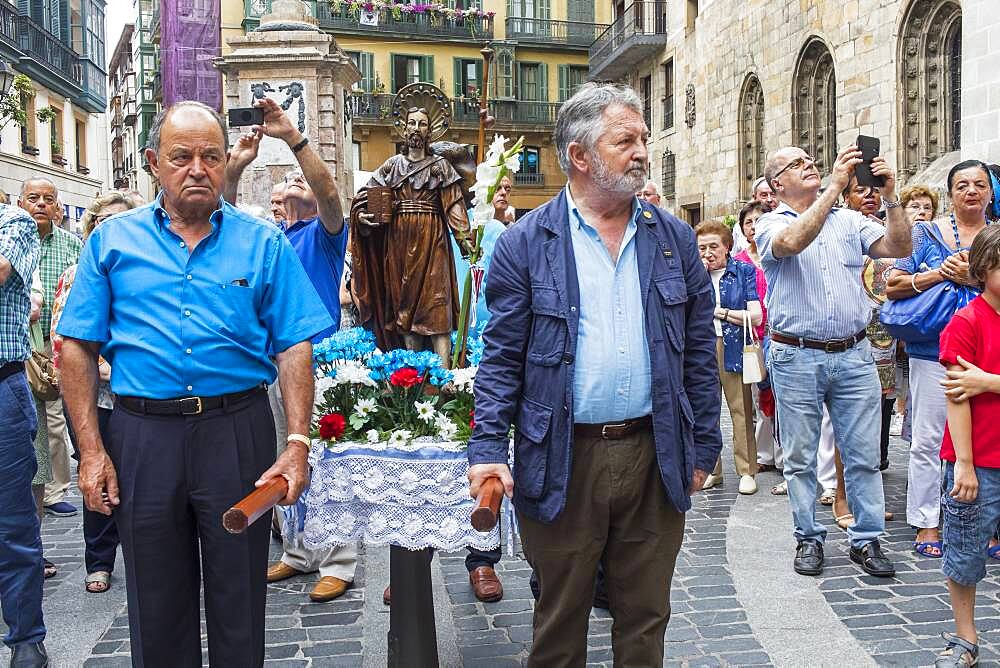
x=974 y=333
x=60 y=250
x=176 y=322
x=818 y=294
x=322 y=255
x=19 y=246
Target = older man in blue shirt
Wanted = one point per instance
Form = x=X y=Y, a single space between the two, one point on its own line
x=590 y=295
x=186 y=297
x=812 y=254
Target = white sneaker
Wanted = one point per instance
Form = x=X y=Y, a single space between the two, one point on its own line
x=712 y=480
x=748 y=485
x=896 y=426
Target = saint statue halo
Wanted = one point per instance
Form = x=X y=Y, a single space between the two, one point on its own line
x=424 y=96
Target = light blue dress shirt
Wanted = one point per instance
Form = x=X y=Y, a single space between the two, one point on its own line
x=174 y=323
x=818 y=294
x=611 y=381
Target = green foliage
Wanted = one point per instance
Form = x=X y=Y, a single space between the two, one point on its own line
x=729 y=221
x=11 y=108
x=46 y=115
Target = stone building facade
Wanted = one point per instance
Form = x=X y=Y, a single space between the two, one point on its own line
x=734 y=79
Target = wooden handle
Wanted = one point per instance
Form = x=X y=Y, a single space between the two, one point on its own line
x=487 y=511
x=255 y=504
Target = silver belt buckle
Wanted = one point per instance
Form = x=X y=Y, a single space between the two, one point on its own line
x=604 y=429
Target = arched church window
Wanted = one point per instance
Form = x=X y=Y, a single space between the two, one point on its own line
x=751 y=135
x=814 y=104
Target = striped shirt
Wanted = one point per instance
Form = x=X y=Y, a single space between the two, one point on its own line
x=19 y=246
x=59 y=251
x=818 y=293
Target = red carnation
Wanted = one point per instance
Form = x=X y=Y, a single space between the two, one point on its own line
x=405 y=377
x=331 y=426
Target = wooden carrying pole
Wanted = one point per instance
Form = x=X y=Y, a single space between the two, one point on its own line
x=486 y=514
x=254 y=505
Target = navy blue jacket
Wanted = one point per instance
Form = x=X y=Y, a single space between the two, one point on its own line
x=526 y=374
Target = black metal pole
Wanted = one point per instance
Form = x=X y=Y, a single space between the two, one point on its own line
x=412 y=635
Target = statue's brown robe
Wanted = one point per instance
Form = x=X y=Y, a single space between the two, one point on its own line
x=403 y=279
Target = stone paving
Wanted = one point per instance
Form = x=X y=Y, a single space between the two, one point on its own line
x=897 y=622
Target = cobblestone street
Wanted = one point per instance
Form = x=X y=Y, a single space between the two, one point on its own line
x=735 y=600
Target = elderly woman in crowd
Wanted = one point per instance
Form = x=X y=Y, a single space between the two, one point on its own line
x=99 y=531
x=736 y=299
x=940 y=253
x=768 y=449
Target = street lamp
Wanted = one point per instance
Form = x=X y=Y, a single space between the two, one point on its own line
x=6 y=78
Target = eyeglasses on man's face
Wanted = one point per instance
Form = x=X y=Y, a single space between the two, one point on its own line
x=797 y=163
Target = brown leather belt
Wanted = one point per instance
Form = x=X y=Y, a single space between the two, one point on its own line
x=834 y=346
x=10 y=368
x=184 y=405
x=613 y=431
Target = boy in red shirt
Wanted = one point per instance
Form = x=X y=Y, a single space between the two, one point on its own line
x=970 y=348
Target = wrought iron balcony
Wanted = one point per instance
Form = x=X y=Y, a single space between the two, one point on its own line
x=45 y=48
x=522 y=179
x=372 y=109
x=8 y=24
x=552 y=33
x=636 y=35
x=154 y=26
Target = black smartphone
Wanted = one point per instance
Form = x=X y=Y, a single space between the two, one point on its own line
x=246 y=116
x=869 y=147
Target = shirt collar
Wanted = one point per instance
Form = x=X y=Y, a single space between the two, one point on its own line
x=161 y=216
x=288 y=227
x=576 y=218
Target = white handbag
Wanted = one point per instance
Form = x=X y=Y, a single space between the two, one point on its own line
x=753 y=356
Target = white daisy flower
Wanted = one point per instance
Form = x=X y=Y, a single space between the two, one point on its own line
x=464 y=377
x=446 y=428
x=399 y=438
x=425 y=411
x=364 y=407
x=372 y=436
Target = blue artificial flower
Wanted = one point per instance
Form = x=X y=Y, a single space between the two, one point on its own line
x=347 y=345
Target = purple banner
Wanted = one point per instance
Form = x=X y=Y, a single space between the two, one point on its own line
x=190 y=38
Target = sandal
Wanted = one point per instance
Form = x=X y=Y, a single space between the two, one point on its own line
x=97 y=582
x=924 y=548
x=993 y=551
x=844 y=521
x=48 y=569
x=958 y=653
x=828 y=496
x=781 y=489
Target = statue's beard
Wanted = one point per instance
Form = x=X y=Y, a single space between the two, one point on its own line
x=416 y=140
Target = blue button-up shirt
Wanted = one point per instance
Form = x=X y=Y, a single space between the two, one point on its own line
x=612 y=378
x=322 y=255
x=174 y=322
x=818 y=294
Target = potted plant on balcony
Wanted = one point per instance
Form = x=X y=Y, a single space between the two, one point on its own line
x=56 y=146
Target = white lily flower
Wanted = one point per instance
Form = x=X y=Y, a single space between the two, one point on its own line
x=487 y=173
x=513 y=163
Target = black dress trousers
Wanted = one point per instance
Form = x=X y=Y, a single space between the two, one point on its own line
x=177 y=476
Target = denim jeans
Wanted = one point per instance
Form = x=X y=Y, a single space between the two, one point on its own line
x=20 y=538
x=804 y=380
x=968 y=527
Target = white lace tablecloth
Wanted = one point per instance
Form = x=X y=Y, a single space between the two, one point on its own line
x=414 y=495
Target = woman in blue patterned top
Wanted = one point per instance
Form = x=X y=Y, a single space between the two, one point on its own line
x=940 y=253
x=735 y=298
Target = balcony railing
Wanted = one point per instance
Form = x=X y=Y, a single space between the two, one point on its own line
x=368 y=108
x=522 y=179
x=46 y=49
x=638 y=33
x=154 y=26
x=8 y=23
x=430 y=24
x=552 y=32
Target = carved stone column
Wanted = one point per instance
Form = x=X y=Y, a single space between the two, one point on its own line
x=289 y=60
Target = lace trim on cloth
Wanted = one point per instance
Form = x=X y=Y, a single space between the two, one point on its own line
x=414 y=496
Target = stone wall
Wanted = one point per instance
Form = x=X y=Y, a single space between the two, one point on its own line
x=981 y=80
x=731 y=39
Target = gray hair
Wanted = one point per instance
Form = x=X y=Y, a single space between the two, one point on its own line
x=38 y=179
x=153 y=142
x=757 y=184
x=580 y=117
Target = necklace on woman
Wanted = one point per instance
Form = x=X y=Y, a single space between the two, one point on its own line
x=958 y=239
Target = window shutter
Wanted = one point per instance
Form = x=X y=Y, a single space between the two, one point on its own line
x=392 y=72
x=366 y=62
x=479 y=74
x=542 y=10
x=543 y=82
x=427 y=69
x=563 y=83
x=458 y=77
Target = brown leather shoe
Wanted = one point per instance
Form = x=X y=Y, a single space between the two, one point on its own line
x=281 y=571
x=328 y=588
x=387 y=596
x=486 y=584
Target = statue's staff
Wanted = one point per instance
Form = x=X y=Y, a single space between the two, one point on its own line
x=461 y=344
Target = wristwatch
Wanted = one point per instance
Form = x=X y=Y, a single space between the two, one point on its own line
x=889 y=204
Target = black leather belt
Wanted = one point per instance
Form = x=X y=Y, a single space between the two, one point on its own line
x=613 y=431
x=834 y=346
x=184 y=405
x=10 y=368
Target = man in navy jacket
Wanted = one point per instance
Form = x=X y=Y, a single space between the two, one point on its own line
x=600 y=351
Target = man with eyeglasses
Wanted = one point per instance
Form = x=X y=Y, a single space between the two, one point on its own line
x=812 y=253
x=314 y=224
x=59 y=250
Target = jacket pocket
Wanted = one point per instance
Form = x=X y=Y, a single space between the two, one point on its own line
x=549 y=329
x=531 y=453
x=687 y=433
x=673 y=300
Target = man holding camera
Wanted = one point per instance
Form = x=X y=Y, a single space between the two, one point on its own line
x=314 y=224
x=812 y=253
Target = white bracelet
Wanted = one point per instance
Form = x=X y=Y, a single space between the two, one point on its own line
x=300 y=438
x=913 y=284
